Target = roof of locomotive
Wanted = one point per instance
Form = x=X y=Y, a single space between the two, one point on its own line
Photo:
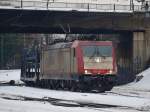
x=82 y=43
x=76 y=43
x=60 y=45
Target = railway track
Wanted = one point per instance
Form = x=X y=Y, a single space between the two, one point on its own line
x=93 y=91
x=68 y=103
x=58 y=102
x=65 y=102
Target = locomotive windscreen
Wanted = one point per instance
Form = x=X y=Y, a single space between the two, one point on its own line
x=97 y=57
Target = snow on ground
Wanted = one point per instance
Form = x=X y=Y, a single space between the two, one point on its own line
x=121 y=2
x=29 y=106
x=78 y=5
x=122 y=103
x=115 y=100
x=138 y=88
x=32 y=106
x=142 y=82
x=128 y=98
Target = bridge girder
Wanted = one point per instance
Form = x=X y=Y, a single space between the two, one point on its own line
x=46 y=21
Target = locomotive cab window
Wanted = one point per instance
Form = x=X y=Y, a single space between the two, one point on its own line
x=97 y=57
x=97 y=51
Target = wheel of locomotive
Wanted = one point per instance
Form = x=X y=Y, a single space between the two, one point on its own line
x=67 y=84
x=52 y=84
x=49 y=84
x=37 y=83
x=108 y=87
x=59 y=82
x=62 y=84
x=27 y=83
x=84 y=87
x=43 y=83
x=72 y=86
x=105 y=87
x=101 y=87
x=56 y=84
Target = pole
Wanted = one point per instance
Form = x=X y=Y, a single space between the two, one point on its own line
x=2 y=52
x=131 y=5
x=47 y=3
x=24 y=40
x=21 y=4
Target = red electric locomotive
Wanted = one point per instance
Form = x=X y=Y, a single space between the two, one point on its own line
x=78 y=65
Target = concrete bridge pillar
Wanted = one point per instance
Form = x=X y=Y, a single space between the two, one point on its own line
x=141 y=50
x=138 y=51
x=147 y=46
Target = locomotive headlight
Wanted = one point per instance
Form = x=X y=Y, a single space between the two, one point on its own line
x=110 y=71
x=86 y=71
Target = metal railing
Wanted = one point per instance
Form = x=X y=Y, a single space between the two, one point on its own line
x=50 y=5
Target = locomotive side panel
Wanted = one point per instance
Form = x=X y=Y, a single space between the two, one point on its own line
x=73 y=60
x=57 y=64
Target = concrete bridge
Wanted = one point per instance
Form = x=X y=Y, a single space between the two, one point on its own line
x=132 y=23
x=47 y=16
x=84 y=5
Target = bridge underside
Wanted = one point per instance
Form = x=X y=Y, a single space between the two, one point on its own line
x=46 y=21
x=59 y=30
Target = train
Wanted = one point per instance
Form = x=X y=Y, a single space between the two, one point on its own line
x=78 y=66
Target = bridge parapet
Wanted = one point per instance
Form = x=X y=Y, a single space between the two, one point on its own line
x=64 y=6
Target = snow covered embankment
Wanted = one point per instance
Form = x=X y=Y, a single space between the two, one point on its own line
x=142 y=82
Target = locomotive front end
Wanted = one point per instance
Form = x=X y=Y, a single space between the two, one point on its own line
x=97 y=64
x=98 y=59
